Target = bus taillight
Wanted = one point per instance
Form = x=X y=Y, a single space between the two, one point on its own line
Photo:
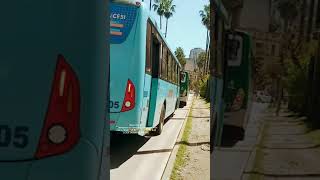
x=61 y=130
x=129 y=98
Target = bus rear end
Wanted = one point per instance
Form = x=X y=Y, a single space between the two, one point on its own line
x=184 y=88
x=53 y=75
x=127 y=49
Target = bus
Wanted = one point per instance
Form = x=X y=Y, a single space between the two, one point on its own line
x=238 y=85
x=184 y=88
x=220 y=22
x=54 y=76
x=144 y=73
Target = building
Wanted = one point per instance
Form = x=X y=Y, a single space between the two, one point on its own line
x=191 y=69
x=194 y=53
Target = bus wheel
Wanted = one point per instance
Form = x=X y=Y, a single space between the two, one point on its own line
x=182 y=104
x=161 y=122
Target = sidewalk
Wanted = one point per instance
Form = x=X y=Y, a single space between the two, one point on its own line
x=229 y=163
x=286 y=151
x=198 y=145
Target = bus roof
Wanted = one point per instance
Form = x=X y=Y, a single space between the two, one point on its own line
x=145 y=10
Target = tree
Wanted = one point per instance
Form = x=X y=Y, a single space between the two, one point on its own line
x=205 y=18
x=180 y=56
x=159 y=7
x=201 y=62
x=169 y=9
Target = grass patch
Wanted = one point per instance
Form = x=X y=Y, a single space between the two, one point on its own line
x=182 y=151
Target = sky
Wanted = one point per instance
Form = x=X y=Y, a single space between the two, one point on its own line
x=185 y=28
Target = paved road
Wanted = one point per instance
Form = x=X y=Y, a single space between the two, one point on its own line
x=135 y=157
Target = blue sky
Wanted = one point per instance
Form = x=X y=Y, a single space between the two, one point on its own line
x=184 y=27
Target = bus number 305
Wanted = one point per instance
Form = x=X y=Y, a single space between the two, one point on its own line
x=17 y=136
x=114 y=104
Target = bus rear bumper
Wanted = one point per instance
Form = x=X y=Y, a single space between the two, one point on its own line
x=79 y=163
x=123 y=123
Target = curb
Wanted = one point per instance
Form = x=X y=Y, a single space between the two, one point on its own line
x=170 y=163
x=252 y=157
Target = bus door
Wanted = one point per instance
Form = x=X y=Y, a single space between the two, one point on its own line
x=155 y=58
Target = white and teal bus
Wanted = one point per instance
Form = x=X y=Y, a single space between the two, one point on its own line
x=54 y=77
x=144 y=73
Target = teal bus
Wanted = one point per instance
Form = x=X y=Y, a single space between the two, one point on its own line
x=144 y=73
x=54 y=78
x=230 y=83
x=184 y=88
x=238 y=85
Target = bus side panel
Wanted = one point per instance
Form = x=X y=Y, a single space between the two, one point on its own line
x=218 y=109
x=146 y=102
x=153 y=106
x=166 y=93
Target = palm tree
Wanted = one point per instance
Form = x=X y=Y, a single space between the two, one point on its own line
x=158 y=6
x=205 y=17
x=169 y=9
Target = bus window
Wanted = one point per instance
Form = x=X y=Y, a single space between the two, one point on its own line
x=155 y=56
x=175 y=72
x=234 y=50
x=183 y=77
x=148 y=49
x=169 y=68
x=164 y=63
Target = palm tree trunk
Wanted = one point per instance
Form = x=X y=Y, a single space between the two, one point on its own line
x=166 y=27
x=207 y=44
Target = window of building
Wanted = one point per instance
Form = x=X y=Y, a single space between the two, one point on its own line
x=259 y=45
x=273 y=49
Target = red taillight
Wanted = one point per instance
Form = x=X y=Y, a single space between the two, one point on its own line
x=61 y=129
x=129 y=98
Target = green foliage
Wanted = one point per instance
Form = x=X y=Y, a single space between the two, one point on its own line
x=169 y=8
x=205 y=16
x=164 y=8
x=159 y=7
x=201 y=60
x=297 y=80
x=180 y=56
x=204 y=89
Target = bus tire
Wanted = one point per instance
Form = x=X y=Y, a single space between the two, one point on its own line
x=182 y=104
x=177 y=104
x=161 y=122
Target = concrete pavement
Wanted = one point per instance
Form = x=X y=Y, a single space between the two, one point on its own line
x=286 y=152
x=146 y=157
x=229 y=163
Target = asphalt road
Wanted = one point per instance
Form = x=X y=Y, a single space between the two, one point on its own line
x=136 y=157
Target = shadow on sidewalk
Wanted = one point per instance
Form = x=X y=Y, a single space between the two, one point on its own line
x=231 y=135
